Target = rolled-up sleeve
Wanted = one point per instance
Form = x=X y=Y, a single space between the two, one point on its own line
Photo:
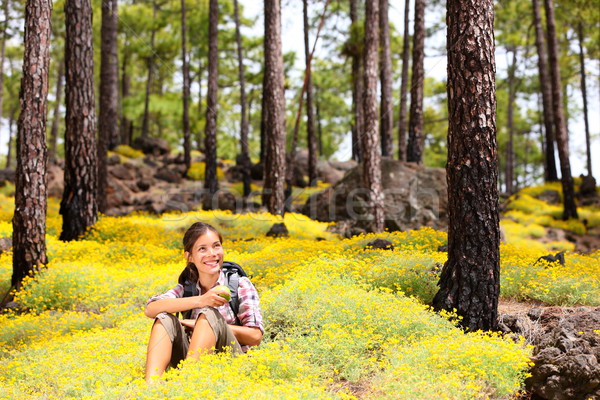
x=173 y=293
x=249 y=313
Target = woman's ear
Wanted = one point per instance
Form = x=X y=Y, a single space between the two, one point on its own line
x=188 y=257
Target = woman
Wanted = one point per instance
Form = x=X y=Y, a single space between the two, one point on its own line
x=212 y=324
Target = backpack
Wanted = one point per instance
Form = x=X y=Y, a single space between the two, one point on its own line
x=232 y=272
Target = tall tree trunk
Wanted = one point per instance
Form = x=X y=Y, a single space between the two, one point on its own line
x=150 y=78
x=125 y=126
x=415 y=123
x=108 y=121
x=6 y=15
x=29 y=220
x=402 y=122
x=78 y=206
x=245 y=154
x=319 y=125
x=550 y=173
x=584 y=96
x=371 y=156
x=357 y=87
x=510 y=162
x=274 y=109
x=11 y=121
x=199 y=140
x=562 y=141
x=210 y=132
x=56 y=112
x=386 y=110
x=263 y=122
x=470 y=279
x=185 y=71
x=310 y=119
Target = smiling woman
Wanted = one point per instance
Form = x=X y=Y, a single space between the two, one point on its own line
x=213 y=324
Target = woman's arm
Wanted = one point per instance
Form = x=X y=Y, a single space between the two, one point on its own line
x=247 y=335
x=174 y=305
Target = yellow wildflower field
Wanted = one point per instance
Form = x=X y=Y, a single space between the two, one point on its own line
x=342 y=321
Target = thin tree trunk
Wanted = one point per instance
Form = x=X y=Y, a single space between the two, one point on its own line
x=11 y=121
x=510 y=123
x=415 y=123
x=29 y=220
x=403 y=122
x=310 y=119
x=78 y=206
x=357 y=87
x=319 y=125
x=211 y=184
x=56 y=112
x=244 y=156
x=274 y=109
x=108 y=121
x=562 y=141
x=150 y=78
x=125 y=126
x=550 y=173
x=5 y=11
x=199 y=140
x=584 y=96
x=371 y=156
x=470 y=279
x=386 y=110
x=185 y=70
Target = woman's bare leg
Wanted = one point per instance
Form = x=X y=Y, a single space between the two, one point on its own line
x=159 y=351
x=203 y=339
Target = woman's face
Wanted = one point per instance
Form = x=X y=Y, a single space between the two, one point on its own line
x=207 y=254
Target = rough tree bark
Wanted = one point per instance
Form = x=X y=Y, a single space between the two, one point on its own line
x=386 y=110
x=244 y=160
x=560 y=126
x=78 y=206
x=310 y=119
x=550 y=173
x=56 y=112
x=108 y=119
x=274 y=111
x=357 y=87
x=402 y=122
x=510 y=159
x=371 y=156
x=150 y=66
x=580 y=38
x=211 y=183
x=185 y=71
x=470 y=279
x=29 y=220
x=415 y=123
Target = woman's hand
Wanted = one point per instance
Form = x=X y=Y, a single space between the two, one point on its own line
x=212 y=298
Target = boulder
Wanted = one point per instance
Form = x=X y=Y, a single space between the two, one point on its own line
x=414 y=196
x=122 y=171
x=5 y=244
x=7 y=175
x=56 y=180
x=154 y=146
x=588 y=186
x=566 y=352
x=118 y=194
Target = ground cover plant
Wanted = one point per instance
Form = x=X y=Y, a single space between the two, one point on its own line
x=343 y=321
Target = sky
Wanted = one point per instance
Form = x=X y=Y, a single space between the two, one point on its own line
x=435 y=66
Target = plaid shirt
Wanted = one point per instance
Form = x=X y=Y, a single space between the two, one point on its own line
x=249 y=313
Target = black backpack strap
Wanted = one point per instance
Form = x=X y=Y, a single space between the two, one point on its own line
x=189 y=290
x=233 y=272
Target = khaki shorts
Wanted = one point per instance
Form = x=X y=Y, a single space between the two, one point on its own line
x=181 y=341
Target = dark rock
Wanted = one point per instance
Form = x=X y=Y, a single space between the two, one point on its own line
x=122 y=172
x=221 y=200
x=5 y=244
x=443 y=248
x=587 y=188
x=257 y=171
x=154 y=146
x=380 y=244
x=414 y=196
x=144 y=184
x=550 y=196
x=566 y=351
x=118 y=193
x=56 y=181
x=168 y=175
x=278 y=230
